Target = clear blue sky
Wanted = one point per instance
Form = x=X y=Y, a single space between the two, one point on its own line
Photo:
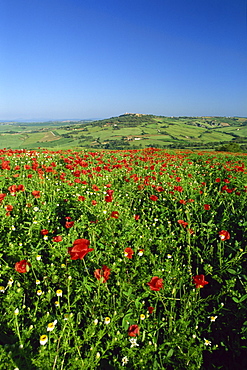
x=101 y=58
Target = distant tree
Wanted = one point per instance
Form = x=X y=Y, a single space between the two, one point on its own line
x=229 y=147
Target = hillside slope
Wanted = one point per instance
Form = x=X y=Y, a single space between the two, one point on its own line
x=129 y=130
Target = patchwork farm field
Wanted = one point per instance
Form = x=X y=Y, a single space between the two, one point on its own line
x=129 y=259
x=127 y=131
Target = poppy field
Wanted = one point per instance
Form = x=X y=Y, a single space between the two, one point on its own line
x=129 y=259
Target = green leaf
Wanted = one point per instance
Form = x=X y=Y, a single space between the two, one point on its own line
x=55 y=279
x=243 y=298
x=155 y=364
x=143 y=335
x=128 y=294
x=138 y=303
x=235 y=299
x=170 y=353
x=231 y=271
x=126 y=320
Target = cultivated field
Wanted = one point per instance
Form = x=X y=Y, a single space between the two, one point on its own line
x=129 y=131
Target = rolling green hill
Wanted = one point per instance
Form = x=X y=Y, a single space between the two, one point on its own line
x=129 y=130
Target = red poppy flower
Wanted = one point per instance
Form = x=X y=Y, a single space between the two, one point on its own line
x=81 y=198
x=156 y=283
x=79 y=249
x=183 y=223
x=114 y=214
x=5 y=165
x=102 y=274
x=159 y=189
x=206 y=207
x=95 y=187
x=69 y=224
x=44 y=232
x=94 y=202
x=133 y=330
x=136 y=217
x=199 y=281
x=128 y=252
x=2 y=196
x=9 y=208
x=110 y=192
x=108 y=198
x=20 y=187
x=36 y=193
x=178 y=188
x=57 y=238
x=12 y=189
x=22 y=266
x=153 y=197
x=150 y=310
x=76 y=173
x=224 y=235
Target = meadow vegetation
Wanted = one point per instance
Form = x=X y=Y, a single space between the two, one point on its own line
x=123 y=259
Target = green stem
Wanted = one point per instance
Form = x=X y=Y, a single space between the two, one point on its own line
x=68 y=299
x=58 y=345
x=85 y=266
x=18 y=331
x=36 y=307
x=220 y=252
x=1 y=259
x=34 y=273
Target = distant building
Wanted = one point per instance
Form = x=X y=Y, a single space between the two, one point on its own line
x=132 y=114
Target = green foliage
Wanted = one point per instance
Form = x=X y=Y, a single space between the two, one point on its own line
x=230 y=147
